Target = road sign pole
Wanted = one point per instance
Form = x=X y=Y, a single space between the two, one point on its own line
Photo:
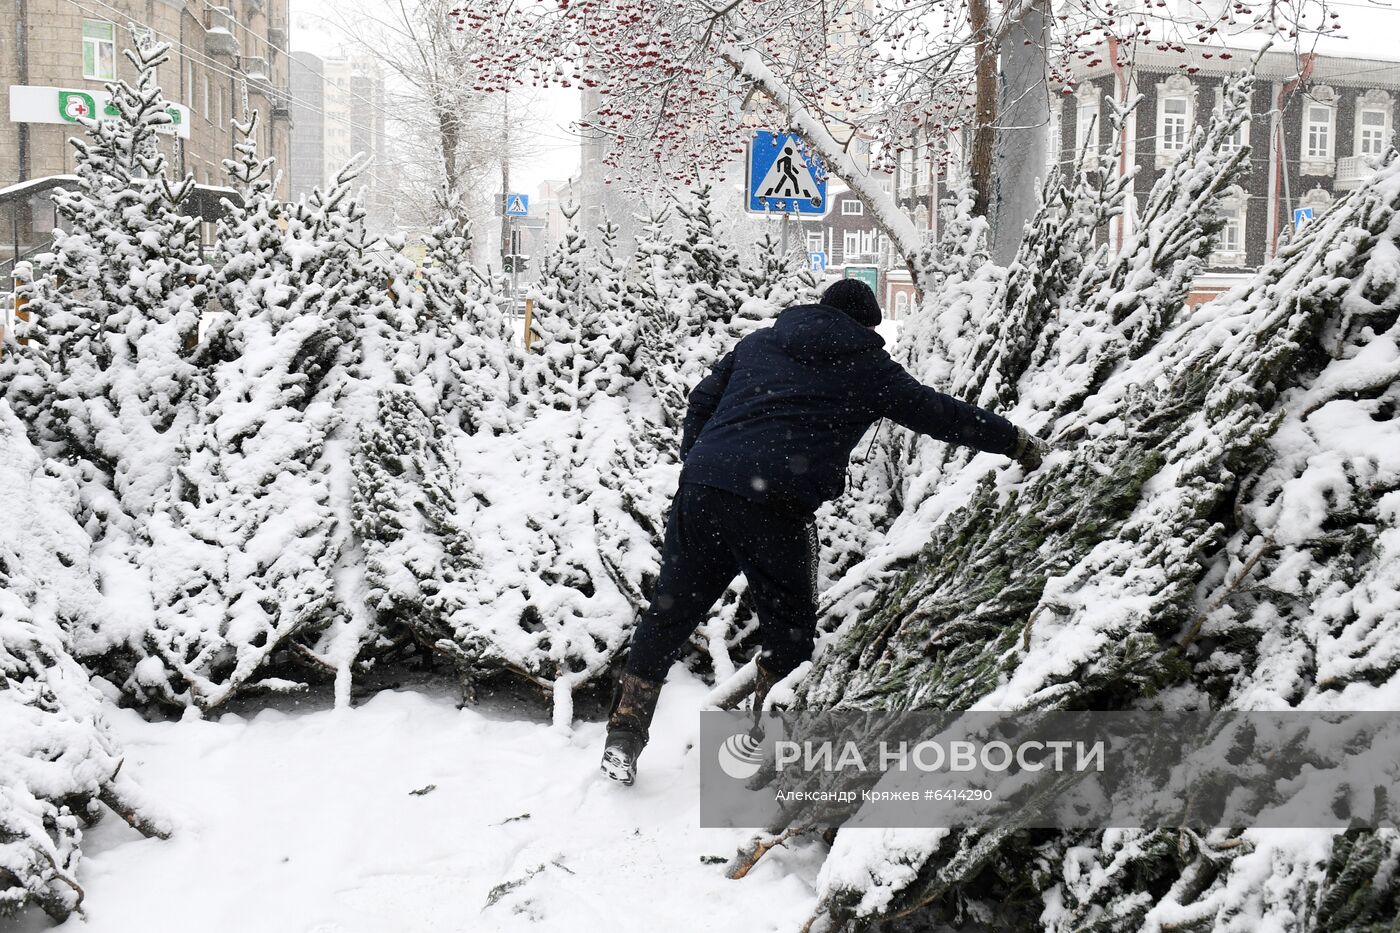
x=514 y=265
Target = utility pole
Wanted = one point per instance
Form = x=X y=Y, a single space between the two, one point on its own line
x=507 y=222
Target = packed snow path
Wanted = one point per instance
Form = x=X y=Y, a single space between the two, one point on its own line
x=304 y=822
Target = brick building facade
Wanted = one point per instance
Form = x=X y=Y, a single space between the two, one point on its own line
x=55 y=55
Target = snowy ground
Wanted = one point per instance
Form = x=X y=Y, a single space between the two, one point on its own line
x=304 y=822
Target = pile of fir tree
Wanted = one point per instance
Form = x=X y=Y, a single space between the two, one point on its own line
x=1187 y=543
x=58 y=764
x=566 y=495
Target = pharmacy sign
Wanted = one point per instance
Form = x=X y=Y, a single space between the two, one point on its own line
x=30 y=104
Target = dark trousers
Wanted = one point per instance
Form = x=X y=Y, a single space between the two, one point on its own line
x=711 y=535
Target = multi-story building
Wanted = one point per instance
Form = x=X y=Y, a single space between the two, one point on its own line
x=345 y=116
x=1316 y=125
x=64 y=52
x=307 y=167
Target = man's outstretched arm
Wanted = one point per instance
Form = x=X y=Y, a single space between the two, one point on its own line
x=909 y=402
x=704 y=399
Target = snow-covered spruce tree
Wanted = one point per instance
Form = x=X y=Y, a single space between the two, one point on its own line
x=410 y=558
x=648 y=290
x=564 y=579
x=131 y=290
x=243 y=554
x=479 y=358
x=548 y=375
x=58 y=763
x=781 y=279
x=712 y=305
x=973 y=339
x=607 y=331
x=26 y=375
x=1104 y=581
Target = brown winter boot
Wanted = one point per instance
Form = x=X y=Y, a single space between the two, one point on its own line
x=763 y=682
x=634 y=703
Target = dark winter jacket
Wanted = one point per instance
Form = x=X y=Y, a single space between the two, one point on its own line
x=777 y=418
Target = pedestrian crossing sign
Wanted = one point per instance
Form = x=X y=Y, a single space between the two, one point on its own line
x=784 y=176
x=517 y=205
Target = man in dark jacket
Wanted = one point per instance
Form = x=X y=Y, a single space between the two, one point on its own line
x=766 y=441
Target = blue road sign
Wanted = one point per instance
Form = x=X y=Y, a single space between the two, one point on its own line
x=1301 y=215
x=818 y=260
x=783 y=177
x=517 y=205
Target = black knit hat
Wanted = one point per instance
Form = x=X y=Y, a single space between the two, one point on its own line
x=855 y=298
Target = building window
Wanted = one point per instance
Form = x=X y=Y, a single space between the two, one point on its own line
x=1240 y=137
x=99 y=50
x=921 y=164
x=1371 y=138
x=850 y=244
x=1175 y=112
x=1319 y=131
x=204 y=95
x=1319 y=136
x=1230 y=245
x=1175 y=116
x=815 y=242
x=867 y=242
x=1373 y=130
x=901 y=304
x=189 y=81
x=1232 y=235
x=852 y=206
x=906 y=169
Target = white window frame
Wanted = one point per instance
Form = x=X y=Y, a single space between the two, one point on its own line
x=1234 y=206
x=869 y=244
x=1170 y=145
x=1374 y=101
x=816 y=241
x=98 y=45
x=901 y=304
x=906 y=169
x=921 y=164
x=852 y=207
x=1319 y=161
x=850 y=245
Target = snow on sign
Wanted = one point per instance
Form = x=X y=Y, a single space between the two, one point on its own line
x=517 y=205
x=783 y=176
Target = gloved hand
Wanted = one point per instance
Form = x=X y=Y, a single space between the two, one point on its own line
x=1029 y=450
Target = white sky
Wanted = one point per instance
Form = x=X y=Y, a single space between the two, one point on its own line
x=550 y=150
